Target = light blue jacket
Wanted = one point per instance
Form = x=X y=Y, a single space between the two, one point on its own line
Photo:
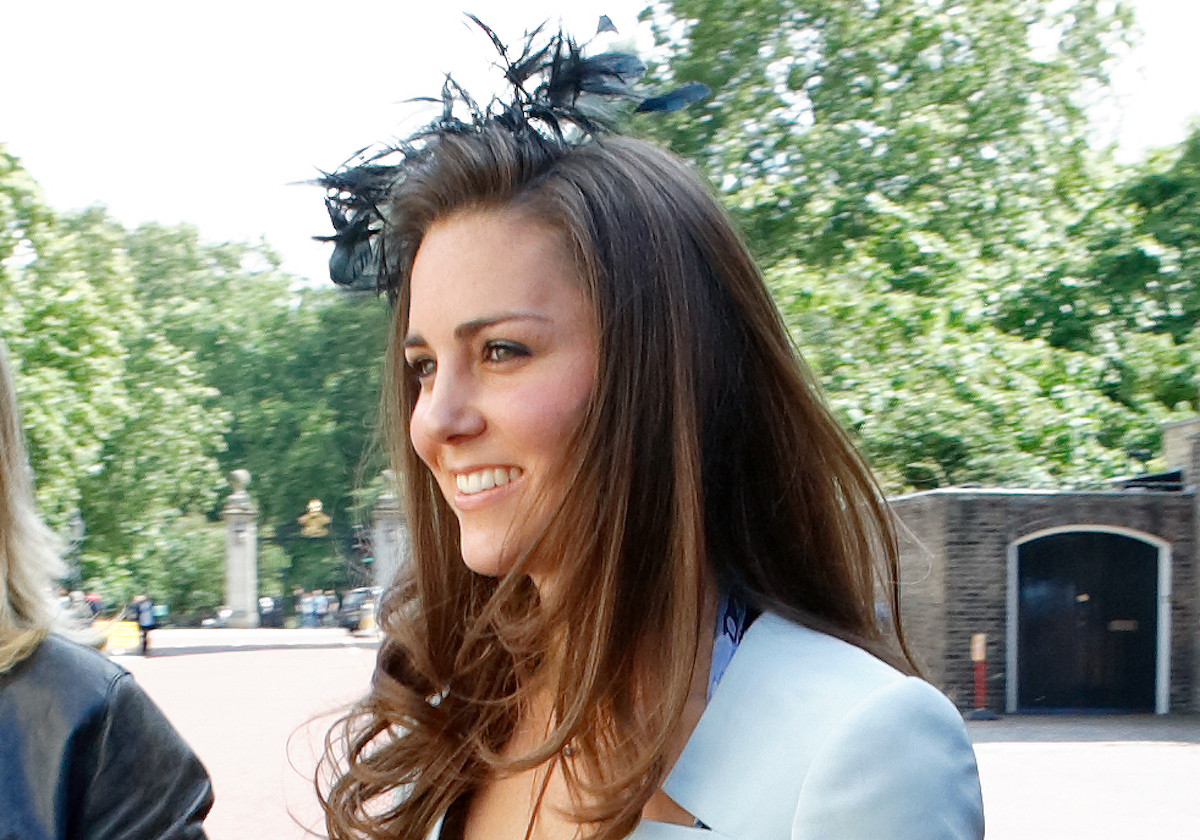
x=808 y=737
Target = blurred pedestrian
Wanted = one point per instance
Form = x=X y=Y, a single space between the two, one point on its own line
x=84 y=753
x=143 y=611
x=295 y=599
x=80 y=611
x=320 y=607
x=308 y=610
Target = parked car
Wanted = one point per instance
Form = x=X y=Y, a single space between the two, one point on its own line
x=355 y=603
x=219 y=619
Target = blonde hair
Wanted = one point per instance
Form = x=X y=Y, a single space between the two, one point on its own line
x=29 y=551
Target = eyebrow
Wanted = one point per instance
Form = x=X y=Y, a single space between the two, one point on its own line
x=469 y=329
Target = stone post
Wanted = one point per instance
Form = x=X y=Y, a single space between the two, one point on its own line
x=390 y=537
x=241 y=552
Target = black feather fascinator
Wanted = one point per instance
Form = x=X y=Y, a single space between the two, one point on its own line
x=557 y=93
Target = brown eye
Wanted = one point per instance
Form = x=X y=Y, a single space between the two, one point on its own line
x=422 y=366
x=503 y=351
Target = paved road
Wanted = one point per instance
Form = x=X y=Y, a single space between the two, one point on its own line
x=1092 y=778
x=256 y=704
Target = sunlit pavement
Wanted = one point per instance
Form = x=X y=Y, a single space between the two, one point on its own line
x=255 y=705
x=172 y=642
x=1098 y=777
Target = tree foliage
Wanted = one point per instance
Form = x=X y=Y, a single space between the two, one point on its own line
x=62 y=327
x=939 y=396
x=115 y=415
x=151 y=363
x=1139 y=272
x=986 y=299
x=914 y=176
x=826 y=113
x=296 y=371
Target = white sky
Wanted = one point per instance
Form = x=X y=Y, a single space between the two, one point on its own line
x=209 y=113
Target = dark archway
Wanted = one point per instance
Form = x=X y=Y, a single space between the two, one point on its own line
x=1087 y=616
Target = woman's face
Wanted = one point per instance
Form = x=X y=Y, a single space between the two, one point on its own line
x=504 y=345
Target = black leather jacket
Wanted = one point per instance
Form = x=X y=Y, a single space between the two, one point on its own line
x=86 y=755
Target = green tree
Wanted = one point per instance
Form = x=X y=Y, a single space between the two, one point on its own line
x=939 y=396
x=114 y=414
x=969 y=114
x=151 y=363
x=1133 y=296
x=306 y=425
x=62 y=303
x=296 y=370
x=914 y=177
x=1168 y=201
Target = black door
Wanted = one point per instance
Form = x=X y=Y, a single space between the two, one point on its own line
x=1087 y=623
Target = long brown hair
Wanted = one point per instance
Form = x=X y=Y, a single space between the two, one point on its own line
x=707 y=454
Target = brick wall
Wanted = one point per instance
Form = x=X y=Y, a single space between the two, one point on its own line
x=922 y=581
x=1192 y=482
x=955 y=573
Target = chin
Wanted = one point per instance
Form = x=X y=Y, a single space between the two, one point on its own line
x=489 y=567
x=486 y=560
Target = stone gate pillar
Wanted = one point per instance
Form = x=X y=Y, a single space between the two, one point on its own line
x=241 y=552
x=390 y=537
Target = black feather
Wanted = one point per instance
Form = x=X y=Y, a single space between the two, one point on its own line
x=558 y=97
x=518 y=74
x=680 y=97
x=355 y=267
x=354 y=262
x=610 y=74
x=496 y=42
x=531 y=62
x=628 y=67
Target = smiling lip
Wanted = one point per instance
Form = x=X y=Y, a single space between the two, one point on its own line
x=479 y=479
x=481 y=486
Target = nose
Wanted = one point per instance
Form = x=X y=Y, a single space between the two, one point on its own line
x=449 y=410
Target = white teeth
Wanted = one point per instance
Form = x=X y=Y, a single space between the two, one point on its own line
x=471 y=483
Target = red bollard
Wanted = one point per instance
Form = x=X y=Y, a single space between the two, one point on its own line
x=979 y=658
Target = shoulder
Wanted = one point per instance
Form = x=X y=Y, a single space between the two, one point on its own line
x=801 y=684
x=808 y=666
x=106 y=760
x=72 y=679
x=825 y=740
x=59 y=652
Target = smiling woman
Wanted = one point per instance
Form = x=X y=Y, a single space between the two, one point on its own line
x=502 y=340
x=647 y=565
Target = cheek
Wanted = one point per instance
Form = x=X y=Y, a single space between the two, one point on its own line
x=553 y=415
x=418 y=436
